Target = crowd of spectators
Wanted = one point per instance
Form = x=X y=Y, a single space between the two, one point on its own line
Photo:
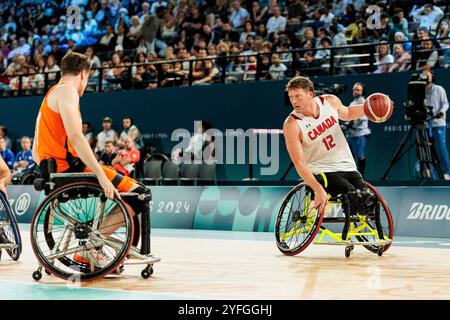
x=121 y=151
x=122 y=35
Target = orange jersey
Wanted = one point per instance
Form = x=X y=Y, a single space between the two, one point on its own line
x=51 y=138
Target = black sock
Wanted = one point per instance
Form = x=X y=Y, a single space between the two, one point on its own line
x=362 y=165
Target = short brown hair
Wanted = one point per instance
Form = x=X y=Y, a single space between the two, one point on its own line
x=73 y=63
x=300 y=82
x=109 y=142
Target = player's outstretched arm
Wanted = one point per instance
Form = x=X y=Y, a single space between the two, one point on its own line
x=353 y=112
x=292 y=136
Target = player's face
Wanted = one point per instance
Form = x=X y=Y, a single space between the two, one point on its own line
x=429 y=75
x=421 y=34
x=126 y=123
x=106 y=125
x=427 y=44
x=357 y=91
x=26 y=144
x=109 y=148
x=300 y=99
x=128 y=143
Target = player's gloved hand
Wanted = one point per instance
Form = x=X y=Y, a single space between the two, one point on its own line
x=108 y=188
x=320 y=199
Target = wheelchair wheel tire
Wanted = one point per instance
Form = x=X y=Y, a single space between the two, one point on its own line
x=294 y=213
x=79 y=203
x=386 y=221
x=11 y=229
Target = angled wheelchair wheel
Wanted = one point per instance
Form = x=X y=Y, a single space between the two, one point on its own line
x=10 y=238
x=386 y=221
x=297 y=222
x=78 y=234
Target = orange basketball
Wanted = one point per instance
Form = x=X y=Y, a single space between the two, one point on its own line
x=378 y=107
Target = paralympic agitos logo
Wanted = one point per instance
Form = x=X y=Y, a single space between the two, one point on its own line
x=421 y=211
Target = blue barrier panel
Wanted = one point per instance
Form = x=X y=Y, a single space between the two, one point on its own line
x=416 y=211
x=24 y=201
x=239 y=208
x=425 y=212
x=174 y=207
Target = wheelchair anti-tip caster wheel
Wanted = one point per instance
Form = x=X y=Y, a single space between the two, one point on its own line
x=120 y=269
x=37 y=275
x=380 y=251
x=147 y=272
x=348 y=250
x=284 y=245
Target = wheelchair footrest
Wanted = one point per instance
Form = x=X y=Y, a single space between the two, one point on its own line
x=8 y=245
x=147 y=259
x=359 y=243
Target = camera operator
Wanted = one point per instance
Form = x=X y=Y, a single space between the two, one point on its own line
x=358 y=130
x=437 y=98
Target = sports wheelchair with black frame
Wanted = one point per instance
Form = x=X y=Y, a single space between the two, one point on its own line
x=73 y=220
x=366 y=221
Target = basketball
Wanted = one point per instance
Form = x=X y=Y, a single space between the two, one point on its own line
x=378 y=107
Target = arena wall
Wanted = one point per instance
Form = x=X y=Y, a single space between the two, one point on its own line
x=246 y=105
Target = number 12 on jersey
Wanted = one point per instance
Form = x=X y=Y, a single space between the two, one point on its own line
x=329 y=142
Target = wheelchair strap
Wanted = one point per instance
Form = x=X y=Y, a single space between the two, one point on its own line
x=117 y=180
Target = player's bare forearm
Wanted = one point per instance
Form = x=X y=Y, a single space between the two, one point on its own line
x=354 y=112
x=294 y=147
x=5 y=174
x=35 y=154
x=68 y=107
x=5 y=177
x=345 y=113
x=302 y=169
x=306 y=174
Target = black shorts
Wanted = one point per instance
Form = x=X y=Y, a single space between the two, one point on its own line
x=341 y=182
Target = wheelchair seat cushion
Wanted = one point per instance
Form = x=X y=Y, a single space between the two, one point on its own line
x=62 y=179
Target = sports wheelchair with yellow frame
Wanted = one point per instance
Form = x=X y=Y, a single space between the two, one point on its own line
x=69 y=222
x=366 y=222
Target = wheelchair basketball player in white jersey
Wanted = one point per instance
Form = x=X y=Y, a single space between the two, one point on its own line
x=317 y=146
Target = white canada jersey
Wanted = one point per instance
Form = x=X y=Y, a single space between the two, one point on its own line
x=324 y=145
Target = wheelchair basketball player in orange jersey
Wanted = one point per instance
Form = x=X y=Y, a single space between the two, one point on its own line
x=317 y=145
x=58 y=136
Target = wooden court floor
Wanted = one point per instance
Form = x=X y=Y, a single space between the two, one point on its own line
x=228 y=267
